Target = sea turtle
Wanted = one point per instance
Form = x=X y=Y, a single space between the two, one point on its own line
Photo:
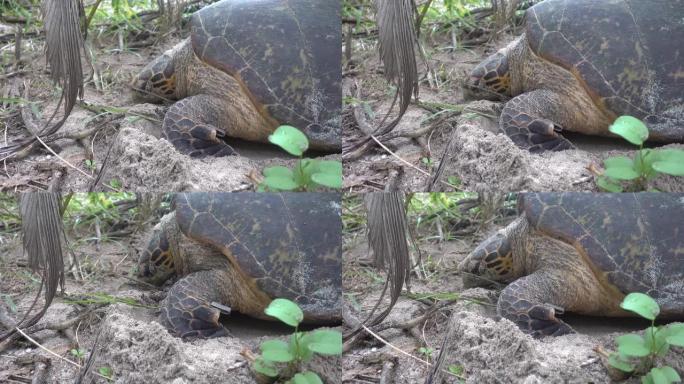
x=582 y=63
x=248 y=67
x=242 y=251
x=582 y=253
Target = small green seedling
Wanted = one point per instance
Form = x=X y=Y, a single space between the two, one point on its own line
x=308 y=174
x=456 y=370
x=106 y=372
x=646 y=165
x=77 y=353
x=636 y=354
x=427 y=352
x=454 y=181
x=115 y=184
x=301 y=346
x=90 y=164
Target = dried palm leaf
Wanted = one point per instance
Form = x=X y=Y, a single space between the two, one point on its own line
x=397 y=38
x=64 y=42
x=43 y=234
x=387 y=230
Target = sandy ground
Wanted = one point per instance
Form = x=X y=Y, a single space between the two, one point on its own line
x=138 y=159
x=128 y=339
x=481 y=347
x=479 y=157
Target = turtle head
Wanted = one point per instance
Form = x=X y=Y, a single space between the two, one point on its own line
x=157 y=81
x=157 y=262
x=492 y=261
x=490 y=79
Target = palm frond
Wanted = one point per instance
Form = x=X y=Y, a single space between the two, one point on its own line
x=397 y=38
x=63 y=43
x=63 y=52
x=43 y=233
x=387 y=230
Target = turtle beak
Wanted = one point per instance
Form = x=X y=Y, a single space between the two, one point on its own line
x=471 y=268
x=487 y=263
x=470 y=264
x=473 y=84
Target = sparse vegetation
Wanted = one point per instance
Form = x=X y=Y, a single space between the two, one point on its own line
x=625 y=174
x=301 y=347
x=637 y=354
x=307 y=174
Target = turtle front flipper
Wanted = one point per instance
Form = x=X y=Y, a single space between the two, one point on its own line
x=532 y=119
x=187 y=310
x=529 y=303
x=191 y=126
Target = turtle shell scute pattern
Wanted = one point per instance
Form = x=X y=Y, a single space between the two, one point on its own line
x=290 y=243
x=285 y=52
x=627 y=53
x=635 y=239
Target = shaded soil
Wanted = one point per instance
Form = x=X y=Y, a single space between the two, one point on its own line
x=128 y=138
x=478 y=345
x=479 y=157
x=127 y=338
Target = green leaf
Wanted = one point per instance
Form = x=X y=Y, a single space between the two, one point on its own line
x=299 y=343
x=620 y=168
x=631 y=129
x=327 y=180
x=641 y=304
x=659 y=345
x=645 y=167
x=670 y=374
x=619 y=162
x=325 y=342
x=670 y=161
x=330 y=166
x=632 y=345
x=617 y=362
x=114 y=183
x=265 y=367
x=279 y=178
x=673 y=329
x=453 y=180
x=307 y=377
x=327 y=173
x=647 y=379
x=290 y=139
x=455 y=369
x=677 y=340
x=621 y=173
x=106 y=372
x=276 y=350
x=278 y=170
x=303 y=171
x=659 y=376
x=607 y=185
x=280 y=183
x=286 y=311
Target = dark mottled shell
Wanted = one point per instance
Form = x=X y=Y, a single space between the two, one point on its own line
x=629 y=53
x=287 y=53
x=636 y=239
x=290 y=243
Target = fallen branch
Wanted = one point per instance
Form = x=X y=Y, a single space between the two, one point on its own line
x=13 y=74
x=401 y=351
x=29 y=121
x=57 y=326
x=58 y=356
